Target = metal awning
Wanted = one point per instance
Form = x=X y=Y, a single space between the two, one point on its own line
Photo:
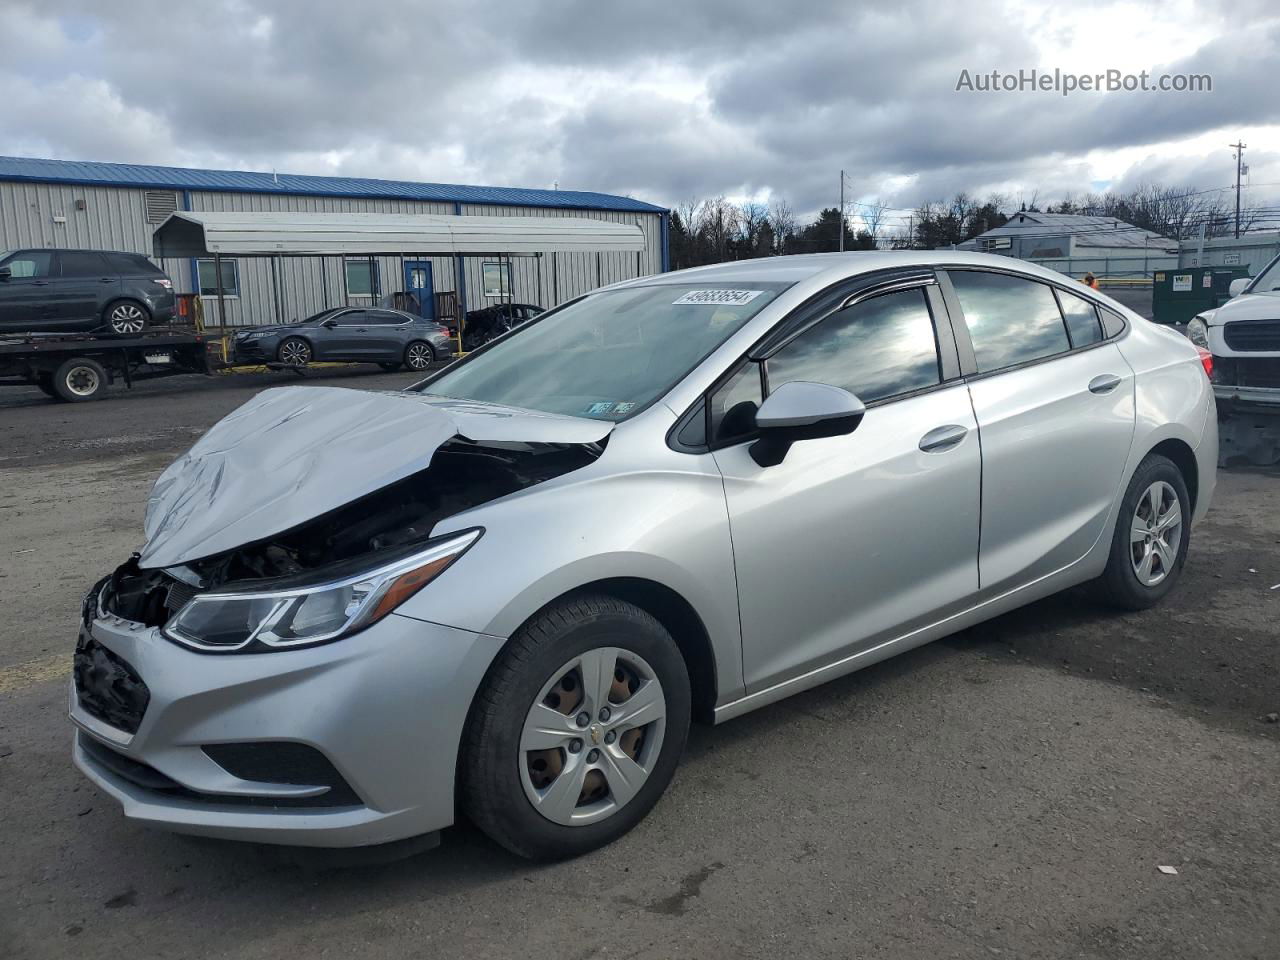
x=197 y=234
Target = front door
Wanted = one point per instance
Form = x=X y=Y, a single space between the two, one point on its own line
x=418 y=284
x=25 y=302
x=855 y=540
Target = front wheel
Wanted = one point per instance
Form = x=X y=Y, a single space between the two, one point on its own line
x=577 y=729
x=294 y=352
x=1153 y=532
x=79 y=379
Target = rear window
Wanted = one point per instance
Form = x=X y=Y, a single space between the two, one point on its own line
x=132 y=263
x=1011 y=320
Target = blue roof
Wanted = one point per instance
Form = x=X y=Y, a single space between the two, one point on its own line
x=239 y=181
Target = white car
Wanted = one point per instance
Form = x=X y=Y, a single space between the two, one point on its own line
x=1244 y=337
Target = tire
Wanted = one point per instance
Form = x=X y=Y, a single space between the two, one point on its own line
x=79 y=379
x=497 y=767
x=419 y=355
x=1123 y=583
x=294 y=352
x=126 y=316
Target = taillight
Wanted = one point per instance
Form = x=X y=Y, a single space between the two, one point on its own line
x=1206 y=360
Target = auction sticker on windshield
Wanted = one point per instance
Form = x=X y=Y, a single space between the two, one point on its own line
x=718 y=296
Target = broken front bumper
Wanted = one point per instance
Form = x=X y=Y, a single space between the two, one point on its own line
x=347 y=744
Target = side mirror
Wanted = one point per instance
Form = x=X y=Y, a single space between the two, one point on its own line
x=1238 y=285
x=801 y=410
x=5 y=273
x=328 y=324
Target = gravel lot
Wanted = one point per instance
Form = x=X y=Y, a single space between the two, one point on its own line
x=1007 y=792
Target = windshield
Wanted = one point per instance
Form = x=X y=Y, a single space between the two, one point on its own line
x=608 y=355
x=1268 y=281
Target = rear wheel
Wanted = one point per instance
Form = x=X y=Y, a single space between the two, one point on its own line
x=79 y=379
x=577 y=729
x=418 y=355
x=1151 y=538
x=295 y=352
x=126 y=316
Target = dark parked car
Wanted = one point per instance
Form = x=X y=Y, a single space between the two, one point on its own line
x=62 y=290
x=490 y=322
x=373 y=334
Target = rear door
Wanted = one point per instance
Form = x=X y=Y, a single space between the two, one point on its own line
x=854 y=540
x=1055 y=408
x=25 y=295
x=388 y=335
x=83 y=285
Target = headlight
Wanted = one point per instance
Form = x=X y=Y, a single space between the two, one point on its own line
x=1198 y=333
x=304 y=615
x=251 y=336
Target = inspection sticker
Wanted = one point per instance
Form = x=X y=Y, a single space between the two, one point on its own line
x=732 y=297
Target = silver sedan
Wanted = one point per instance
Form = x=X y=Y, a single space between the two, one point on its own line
x=510 y=589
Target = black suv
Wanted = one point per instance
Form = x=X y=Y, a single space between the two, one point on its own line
x=58 y=290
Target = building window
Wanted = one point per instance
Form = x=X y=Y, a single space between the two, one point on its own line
x=209 y=278
x=497 y=280
x=362 y=278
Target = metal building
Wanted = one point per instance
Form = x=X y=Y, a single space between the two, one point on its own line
x=111 y=206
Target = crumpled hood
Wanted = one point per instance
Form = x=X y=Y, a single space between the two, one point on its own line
x=294 y=453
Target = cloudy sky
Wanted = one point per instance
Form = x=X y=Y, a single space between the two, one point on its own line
x=662 y=101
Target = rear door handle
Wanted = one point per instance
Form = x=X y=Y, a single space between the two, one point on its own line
x=943 y=438
x=1104 y=383
x=40 y=283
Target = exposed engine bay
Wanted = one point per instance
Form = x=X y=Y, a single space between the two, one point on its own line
x=463 y=474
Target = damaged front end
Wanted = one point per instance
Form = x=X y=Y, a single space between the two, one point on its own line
x=344 y=568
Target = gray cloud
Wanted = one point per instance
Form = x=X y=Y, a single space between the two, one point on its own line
x=664 y=101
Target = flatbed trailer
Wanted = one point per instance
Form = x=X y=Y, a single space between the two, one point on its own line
x=75 y=367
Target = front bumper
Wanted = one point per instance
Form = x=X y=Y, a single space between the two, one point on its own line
x=386 y=707
x=257 y=351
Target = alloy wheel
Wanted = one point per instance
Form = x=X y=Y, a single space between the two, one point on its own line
x=1155 y=533
x=295 y=353
x=592 y=737
x=127 y=318
x=418 y=356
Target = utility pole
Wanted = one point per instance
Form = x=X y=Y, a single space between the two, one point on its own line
x=842 y=212
x=1239 y=148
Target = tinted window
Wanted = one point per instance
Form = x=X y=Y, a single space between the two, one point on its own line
x=208 y=276
x=132 y=264
x=32 y=264
x=353 y=318
x=84 y=265
x=1082 y=319
x=1010 y=320
x=384 y=317
x=876 y=349
x=734 y=406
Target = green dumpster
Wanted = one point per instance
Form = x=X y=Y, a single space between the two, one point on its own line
x=1178 y=295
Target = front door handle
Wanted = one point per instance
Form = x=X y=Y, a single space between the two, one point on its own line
x=1104 y=383
x=943 y=438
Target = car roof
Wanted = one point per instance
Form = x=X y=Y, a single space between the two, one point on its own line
x=794 y=269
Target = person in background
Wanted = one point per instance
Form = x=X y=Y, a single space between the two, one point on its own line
x=1091 y=281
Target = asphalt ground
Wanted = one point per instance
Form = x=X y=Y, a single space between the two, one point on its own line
x=1010 y=791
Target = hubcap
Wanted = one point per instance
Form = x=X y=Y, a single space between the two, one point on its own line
x=82 y=381
x=126 y=318
x=626 y=712
x=419 y=357
x=295 y=353
x=1155 y=534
